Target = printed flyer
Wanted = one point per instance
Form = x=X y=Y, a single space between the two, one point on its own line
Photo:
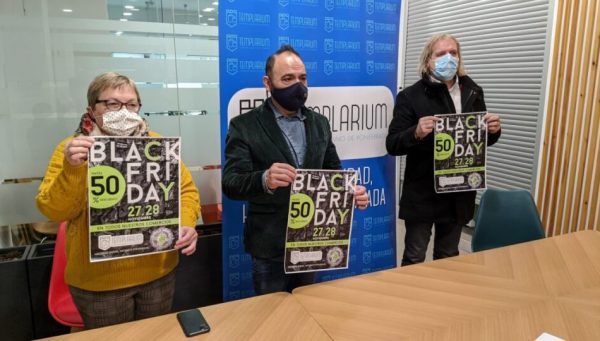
x=133 y=191
x=460 y=145
x=320 y=220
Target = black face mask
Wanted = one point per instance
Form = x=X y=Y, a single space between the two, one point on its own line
x=291 y=98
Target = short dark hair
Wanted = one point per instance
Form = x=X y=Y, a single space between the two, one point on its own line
x=271 y=60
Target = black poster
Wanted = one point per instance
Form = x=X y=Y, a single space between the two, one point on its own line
x=320 y=220
x=133 y=192
x=460 y=146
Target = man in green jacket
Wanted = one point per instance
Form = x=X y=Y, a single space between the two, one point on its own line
x=263 y=148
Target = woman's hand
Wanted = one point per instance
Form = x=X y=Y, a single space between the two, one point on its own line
x=76 y=150
x=187 y=240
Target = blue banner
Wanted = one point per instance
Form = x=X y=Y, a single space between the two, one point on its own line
x=350 y=49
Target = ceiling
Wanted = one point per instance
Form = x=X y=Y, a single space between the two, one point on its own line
x=191 y=12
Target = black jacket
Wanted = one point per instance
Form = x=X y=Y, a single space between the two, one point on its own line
x=419 y=202
x=254 y=142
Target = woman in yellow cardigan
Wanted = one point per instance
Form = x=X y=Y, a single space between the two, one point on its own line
x=126 y=289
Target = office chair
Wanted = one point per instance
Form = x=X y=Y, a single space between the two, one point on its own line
x=506 y=217
x=60 y=302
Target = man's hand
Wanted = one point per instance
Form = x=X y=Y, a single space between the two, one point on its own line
x=425 y=126
x=361 y=199
x=187 y=240
x=493 y=122
x=76 y=150
x=280 y=175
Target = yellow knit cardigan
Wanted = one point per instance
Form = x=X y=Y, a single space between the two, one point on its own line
x=62 y=196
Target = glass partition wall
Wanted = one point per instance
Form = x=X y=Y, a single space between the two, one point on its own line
x=50 y=50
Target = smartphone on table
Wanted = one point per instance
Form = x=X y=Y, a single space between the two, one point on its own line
x=192 y=322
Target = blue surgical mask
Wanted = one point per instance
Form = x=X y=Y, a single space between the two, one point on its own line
x=445 y=67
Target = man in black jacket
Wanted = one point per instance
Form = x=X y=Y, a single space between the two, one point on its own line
x=444 y=88
x=263 y=148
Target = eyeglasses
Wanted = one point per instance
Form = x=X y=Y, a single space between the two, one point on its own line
x=115 y=105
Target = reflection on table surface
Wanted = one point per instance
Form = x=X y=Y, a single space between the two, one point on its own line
x=512 y=293
x=269 y=317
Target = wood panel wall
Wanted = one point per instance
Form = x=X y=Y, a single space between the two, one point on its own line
x=570 y=156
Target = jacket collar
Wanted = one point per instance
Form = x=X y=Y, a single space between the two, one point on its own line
x=465 y=82
x=266 y=118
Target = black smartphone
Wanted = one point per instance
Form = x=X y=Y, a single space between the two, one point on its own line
x=192 y=322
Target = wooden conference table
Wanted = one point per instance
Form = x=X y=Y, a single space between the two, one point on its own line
x=276 y=316
x=511 y=293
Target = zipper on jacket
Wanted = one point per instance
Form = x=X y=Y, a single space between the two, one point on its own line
x=471 y=93
x=449 y=102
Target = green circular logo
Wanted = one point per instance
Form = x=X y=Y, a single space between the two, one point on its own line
x=444 y=146
x=302 y=210
x=106 y=186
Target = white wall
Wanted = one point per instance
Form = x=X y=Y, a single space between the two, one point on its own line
x=47 y=60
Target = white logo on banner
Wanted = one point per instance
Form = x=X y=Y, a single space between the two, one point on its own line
x=231 y=17
x=231 y=41
x=370 y=6
x=328 y=24
x=370 y=47
x=370 y=27
x=283 y=40
x=359 y=116
x=329 y=5
x=284 y=21
x=328 y=46
x=232 y=66
x=328 y=67
x=370 y=67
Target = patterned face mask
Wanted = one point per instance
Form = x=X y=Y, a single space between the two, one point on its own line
x=445 y=67
x=121 y=123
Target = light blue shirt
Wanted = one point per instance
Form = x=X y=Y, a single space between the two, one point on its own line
x=294 y=134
